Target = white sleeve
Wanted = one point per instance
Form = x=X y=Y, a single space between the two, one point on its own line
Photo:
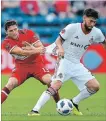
x=100 y=37
x=67 y=31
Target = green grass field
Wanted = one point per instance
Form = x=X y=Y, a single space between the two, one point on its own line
x=22 y=99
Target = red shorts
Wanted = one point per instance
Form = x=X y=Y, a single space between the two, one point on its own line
x=24 y=72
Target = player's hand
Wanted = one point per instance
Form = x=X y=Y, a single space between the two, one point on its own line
x=60 y=52
x=27 y=46
x=42 y=50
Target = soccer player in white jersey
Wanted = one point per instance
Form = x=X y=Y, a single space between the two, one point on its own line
x=72 y=42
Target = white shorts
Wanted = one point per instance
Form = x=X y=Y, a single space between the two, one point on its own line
x=77 y=72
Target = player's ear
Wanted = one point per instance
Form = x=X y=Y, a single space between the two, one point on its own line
x=6 y=32
x=84 y=17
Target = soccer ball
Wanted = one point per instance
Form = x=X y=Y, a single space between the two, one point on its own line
x=64 y=107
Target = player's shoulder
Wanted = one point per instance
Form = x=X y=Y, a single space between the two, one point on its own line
x=72 y=28
x=7 y=39
x=96 y=30
x=73 y=25
x=6 y=42
x=25 y=31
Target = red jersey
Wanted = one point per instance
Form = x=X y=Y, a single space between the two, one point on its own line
x=24 y=35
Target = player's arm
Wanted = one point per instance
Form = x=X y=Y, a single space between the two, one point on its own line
x=34 y=43
x=100 y=38
x=40 y=47
x=12 y=48
x=63 y=36
x=19 y=51
x=104 y=44
x=36 y=46
x=58 y=42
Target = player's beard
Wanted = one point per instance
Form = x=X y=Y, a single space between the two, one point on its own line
x=87 y=28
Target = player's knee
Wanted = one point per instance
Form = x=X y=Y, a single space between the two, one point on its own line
x=46 y=79
x=56 y=84
x=95 y=86
x=12 y=83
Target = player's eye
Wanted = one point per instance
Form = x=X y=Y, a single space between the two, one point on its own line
x=11 y=30
x=93 y=21
x=15 y=29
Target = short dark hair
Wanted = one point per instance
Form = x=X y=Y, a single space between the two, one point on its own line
x=9 y=23
x=91 y=13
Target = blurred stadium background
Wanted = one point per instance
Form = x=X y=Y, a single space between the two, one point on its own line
x=47 y=18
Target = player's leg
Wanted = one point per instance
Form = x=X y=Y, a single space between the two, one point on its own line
x=45 y=97
x=12 y=83
x=45 y=77
x=47 y=80
x=18 y=76
x=85 y=93
x=87 y=85
x=91 y=87
x=52 y=90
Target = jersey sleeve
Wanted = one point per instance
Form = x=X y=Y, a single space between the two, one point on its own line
x=100 y=37
x=67 y=31
x=8 y=45
x=33 y=37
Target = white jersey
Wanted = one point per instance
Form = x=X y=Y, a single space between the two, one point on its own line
x=76 y=42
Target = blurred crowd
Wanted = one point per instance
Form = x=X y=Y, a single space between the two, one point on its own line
x=54 y=8
x=48 y=17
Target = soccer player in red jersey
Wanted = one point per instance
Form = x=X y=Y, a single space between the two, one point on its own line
x=28 y=63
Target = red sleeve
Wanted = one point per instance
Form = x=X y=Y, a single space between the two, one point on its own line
x=8 y=45
x=32 y=37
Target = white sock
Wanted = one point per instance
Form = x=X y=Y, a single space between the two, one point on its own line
x=82 y=95
x=42 y=100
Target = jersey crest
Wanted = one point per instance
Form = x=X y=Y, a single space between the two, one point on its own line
x=8 y=47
